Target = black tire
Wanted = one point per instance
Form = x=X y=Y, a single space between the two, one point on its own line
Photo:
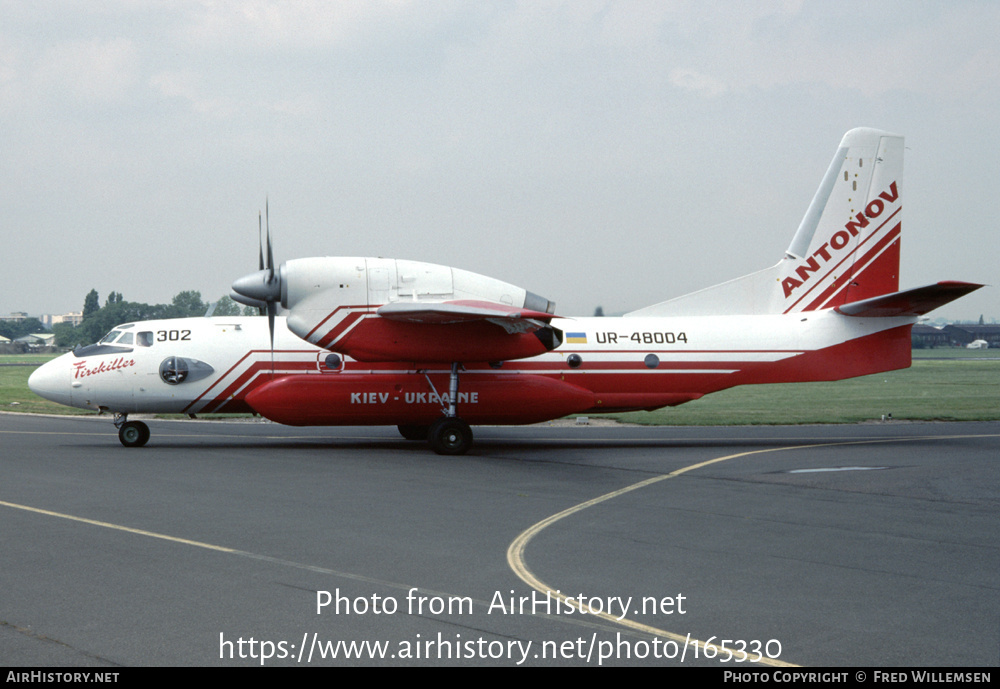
x=133 y=434
x=450 y=436
x=413 y=431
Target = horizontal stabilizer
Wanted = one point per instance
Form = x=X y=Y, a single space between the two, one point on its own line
x=911 y=302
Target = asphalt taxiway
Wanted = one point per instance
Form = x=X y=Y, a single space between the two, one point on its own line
x=867 y=545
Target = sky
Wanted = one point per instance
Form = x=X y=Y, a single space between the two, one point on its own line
x=596 y=153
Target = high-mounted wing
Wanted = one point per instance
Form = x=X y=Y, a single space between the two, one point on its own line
x=510 y=318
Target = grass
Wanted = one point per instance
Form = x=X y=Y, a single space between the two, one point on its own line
x=956 y=353
x=14 y=392
x=966 y=388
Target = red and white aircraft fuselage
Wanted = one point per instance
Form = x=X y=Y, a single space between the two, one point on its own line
x=433 y=349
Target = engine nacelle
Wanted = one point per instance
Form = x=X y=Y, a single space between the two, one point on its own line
x=331 y=303
x=377 y=281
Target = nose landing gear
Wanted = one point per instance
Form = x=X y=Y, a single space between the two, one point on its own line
x=131 y=433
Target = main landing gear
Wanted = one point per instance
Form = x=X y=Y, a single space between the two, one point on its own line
x=449 y=435
x=131 y=433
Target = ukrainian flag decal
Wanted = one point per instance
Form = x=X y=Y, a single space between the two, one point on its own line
x=576 y=338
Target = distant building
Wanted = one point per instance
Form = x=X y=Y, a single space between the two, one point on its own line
x=926 y=336
x=74 y=318
x=966 y=333
x=37 y=339
x=15 y=316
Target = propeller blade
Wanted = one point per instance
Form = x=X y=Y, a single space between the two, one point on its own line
x=272 y=305
x=270 y=255
x=272 y=310
x=260 y=258
x=263 y=288
x=260 y=243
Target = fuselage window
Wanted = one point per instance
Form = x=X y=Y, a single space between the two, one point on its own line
x=144 y=339
x=126 y=339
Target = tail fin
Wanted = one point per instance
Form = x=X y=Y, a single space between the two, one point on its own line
x=850 y=250
x=846 y=248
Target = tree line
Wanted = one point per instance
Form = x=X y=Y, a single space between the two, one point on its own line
x=98 y=320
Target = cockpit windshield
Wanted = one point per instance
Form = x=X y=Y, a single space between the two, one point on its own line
x=119 y=341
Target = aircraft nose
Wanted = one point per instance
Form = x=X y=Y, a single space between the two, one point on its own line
x=51 y=381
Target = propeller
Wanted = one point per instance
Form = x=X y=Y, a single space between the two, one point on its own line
x=260 y=241
x=272 y=281
x=263 y=288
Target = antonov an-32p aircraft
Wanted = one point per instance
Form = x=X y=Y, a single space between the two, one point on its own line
x=433 y=349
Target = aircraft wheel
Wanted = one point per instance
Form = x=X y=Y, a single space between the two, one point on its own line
x=133 y=434
x=450 y=436
x=413 y=431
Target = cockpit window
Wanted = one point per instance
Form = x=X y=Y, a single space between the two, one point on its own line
x=108 y=344
x=144 y=339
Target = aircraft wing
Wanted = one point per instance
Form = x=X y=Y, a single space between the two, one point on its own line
x=513 y=319
x=911 y=302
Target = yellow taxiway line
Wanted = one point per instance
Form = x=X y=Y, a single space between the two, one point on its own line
x=516 y=550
